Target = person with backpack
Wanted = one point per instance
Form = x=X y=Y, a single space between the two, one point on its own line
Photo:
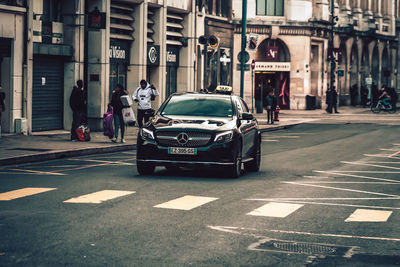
x=78 y=106
x=143 y=95
x=117 y=105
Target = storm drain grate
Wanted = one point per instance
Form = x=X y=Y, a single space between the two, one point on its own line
x=303 y=248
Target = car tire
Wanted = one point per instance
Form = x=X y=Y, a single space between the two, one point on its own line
x=235 y=170
x=254 y=164
x=145 y=168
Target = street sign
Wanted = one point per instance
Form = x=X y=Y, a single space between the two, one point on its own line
x=253 y=64
x=340 y=73
x=246 y=56
x=246 y=67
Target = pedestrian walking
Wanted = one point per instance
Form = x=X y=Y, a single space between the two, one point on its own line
x=353 y=94
x=328 y=100
x=271 y=104
x=334 y=98
x=143 y=95
x=364 y=95
x=78 y=107
x=117 y=105
x=2 y=106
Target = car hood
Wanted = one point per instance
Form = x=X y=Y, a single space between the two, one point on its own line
x=192 y=122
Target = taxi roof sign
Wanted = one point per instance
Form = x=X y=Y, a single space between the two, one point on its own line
x=224 y=89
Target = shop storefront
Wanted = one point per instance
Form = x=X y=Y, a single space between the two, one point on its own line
x=119 y=61
x=172 y=69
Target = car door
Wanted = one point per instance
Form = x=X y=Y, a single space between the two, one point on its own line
x=248 y=129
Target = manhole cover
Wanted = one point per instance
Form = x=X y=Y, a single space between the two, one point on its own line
x=30 y=149
x=303 y=248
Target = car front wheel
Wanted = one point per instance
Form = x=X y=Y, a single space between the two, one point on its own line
x=145 y=168
x=254 y=164
x=234 y=171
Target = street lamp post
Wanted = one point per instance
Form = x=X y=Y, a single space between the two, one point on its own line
x=243 y=50
x=331 y=46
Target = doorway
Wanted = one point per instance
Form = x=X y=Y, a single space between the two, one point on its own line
x=277 y=81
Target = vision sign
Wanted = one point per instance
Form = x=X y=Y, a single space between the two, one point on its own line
x=119 y=51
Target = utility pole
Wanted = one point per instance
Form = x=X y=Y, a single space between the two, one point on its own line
x=331 y=45
x=243 y=50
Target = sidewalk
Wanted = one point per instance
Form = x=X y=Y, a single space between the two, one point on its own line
x=41 y=146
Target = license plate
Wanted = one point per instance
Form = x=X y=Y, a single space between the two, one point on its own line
x=182 y=150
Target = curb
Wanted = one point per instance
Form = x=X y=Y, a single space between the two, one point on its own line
x=65 y=154
x=90 y=151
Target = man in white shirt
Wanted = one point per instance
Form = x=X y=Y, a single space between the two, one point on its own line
x=143 y=95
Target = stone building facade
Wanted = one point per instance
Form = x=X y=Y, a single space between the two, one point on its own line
x=291 y=55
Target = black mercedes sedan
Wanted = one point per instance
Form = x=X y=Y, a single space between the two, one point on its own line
x=196 y=129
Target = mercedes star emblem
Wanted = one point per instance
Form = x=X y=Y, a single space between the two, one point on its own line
x=182 y=138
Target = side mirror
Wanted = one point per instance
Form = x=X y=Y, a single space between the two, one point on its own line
x=247 y=116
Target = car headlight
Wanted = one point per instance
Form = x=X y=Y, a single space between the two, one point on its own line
x=224 y=137
x=146 y=134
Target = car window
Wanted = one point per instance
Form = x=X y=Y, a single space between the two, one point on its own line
x=245 y=107
x=189 y=105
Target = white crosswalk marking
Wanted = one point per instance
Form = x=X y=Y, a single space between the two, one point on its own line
x=24 y=192
x=274 y=209
x=99 y=197
x=187 y=202
x=364 y=215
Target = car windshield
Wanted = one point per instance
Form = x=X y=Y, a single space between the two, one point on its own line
x=189 y=105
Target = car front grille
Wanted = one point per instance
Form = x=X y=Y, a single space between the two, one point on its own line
x=194 y=139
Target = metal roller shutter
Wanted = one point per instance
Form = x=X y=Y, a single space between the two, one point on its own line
x=48 y=94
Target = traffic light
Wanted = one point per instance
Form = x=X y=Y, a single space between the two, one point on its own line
x=211 y=40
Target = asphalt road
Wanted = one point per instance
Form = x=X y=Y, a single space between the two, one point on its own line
x=326 y=195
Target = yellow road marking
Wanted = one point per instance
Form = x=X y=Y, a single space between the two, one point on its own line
x=364 y=215
x=186 y=203
x=99 y=197
x=24 y=192
x=274 y=209
x=38 y=172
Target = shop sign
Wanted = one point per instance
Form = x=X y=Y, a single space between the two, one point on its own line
x=172 y=56
x=272 y=66
x=119 y=51
x=153 y=55
x=272 y=53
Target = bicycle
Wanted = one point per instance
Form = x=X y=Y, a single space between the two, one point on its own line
x=382 y=107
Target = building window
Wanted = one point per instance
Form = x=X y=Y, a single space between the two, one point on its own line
x=270 y=7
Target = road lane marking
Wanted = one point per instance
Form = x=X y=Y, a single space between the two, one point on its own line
x=38 y=172
x=331 y=204
x=106 y=161
x=274 y=209
x=187 y=202
x=95 y=165
x=343 y=189
x=270 y=140
x=282 y=136
x=370 y=165
x=358 y=176
x=395 y=154
x=322 y=198
x=24 y=192
x=236 y=230
x=381 y=156
x=99 y=197
x=364 y=215
x=316 y=177
x=335 y=182
x=383 y=172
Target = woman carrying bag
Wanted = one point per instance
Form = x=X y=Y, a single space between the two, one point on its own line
x=117 y=105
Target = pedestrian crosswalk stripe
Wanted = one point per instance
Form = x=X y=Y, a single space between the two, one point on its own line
x=24 y=192
x=364 y=215
x=274 y=209
x=99 y=197
x=187 y=202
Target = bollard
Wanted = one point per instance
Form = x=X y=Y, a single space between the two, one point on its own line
x=276 y=113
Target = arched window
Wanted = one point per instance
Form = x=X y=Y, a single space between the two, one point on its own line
x=269 y=7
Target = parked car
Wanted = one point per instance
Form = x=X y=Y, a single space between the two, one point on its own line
x=192 y=129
